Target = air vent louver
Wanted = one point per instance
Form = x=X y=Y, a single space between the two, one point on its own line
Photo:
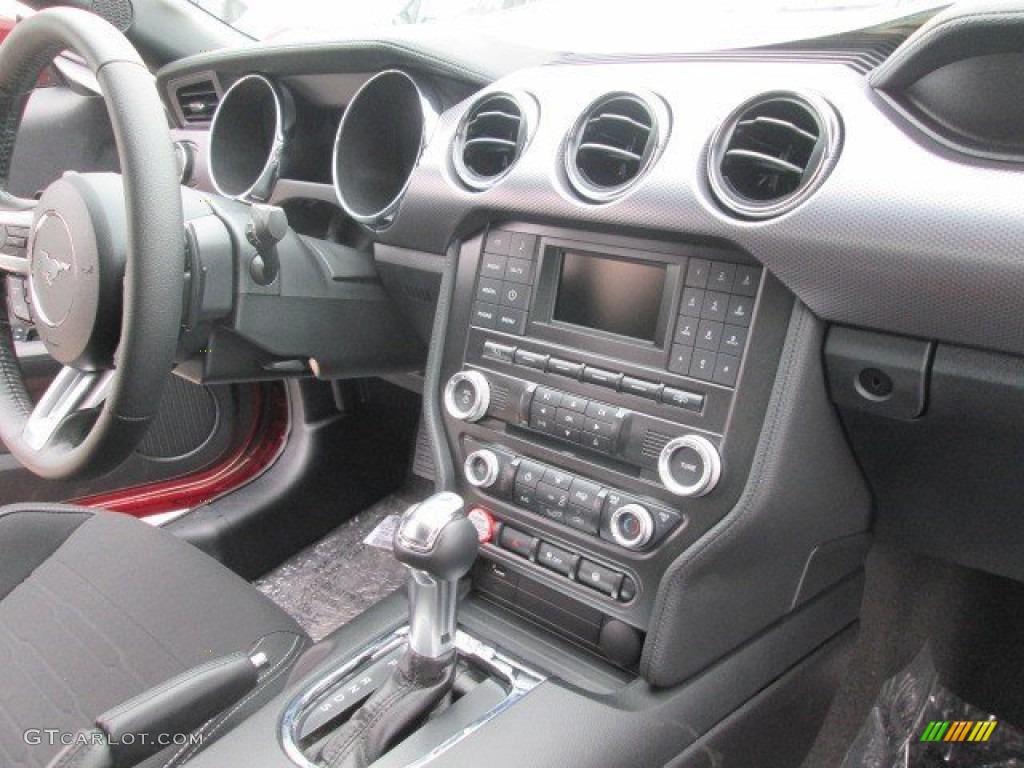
x=197 y=102
x=771 y=153
x=613 y=143
x=491 y=138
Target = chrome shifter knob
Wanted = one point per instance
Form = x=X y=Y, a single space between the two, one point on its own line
x=438 y=544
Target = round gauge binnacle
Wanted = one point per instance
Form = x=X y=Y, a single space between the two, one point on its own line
x=378 y=144
x=247 y=138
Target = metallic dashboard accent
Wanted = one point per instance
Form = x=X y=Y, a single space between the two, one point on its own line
x=382 y=216
x=518 y=679
x=263 y=185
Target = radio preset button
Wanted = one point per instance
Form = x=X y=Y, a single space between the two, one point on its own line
x=601 y=377
x=642 y=388
x=531 y=359
x=680 y=398
x=504 y=353
x=565 y=367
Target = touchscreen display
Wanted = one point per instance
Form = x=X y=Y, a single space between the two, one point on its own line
x=609 y=294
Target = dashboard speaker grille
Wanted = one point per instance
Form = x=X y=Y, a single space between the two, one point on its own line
x=771 y=153
x=613 y=143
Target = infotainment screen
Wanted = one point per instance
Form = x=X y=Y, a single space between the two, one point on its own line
x=621 y=296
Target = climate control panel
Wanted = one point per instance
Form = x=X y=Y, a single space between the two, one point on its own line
x=571 y=500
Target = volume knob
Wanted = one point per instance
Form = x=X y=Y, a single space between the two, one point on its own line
x=467 y=396
x=690 y=466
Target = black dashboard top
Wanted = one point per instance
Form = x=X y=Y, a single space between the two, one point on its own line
x=908 y=230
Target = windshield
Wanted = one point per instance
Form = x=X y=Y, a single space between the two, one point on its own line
x=568 y=25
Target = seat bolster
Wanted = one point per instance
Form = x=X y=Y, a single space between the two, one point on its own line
x=29 y=534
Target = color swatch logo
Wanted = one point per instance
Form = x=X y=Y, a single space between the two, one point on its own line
x=959 y=730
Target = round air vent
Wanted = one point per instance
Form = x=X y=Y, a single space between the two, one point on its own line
x=613 y=143
x=772 y=152
x=491 y=137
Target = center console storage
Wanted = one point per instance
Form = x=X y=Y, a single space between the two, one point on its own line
x=602 y=399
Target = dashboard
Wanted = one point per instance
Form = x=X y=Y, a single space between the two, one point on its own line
x=625 y=250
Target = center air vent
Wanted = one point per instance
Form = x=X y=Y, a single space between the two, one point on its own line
x=771 y=153
x=613 y=143
x=197 y=101
x=491 y=138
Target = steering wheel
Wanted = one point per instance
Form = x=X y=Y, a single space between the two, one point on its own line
x=102 y=262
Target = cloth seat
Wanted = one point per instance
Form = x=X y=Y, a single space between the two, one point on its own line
x=96 y=607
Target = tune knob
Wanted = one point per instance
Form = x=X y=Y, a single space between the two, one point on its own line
x=689 y=466
x=481 y=468
x=467 y=396
x=631 y=526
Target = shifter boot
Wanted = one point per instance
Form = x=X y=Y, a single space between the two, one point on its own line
x=417 y=686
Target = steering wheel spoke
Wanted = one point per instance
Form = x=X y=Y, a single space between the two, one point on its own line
x=15 y=224
x=71 y=393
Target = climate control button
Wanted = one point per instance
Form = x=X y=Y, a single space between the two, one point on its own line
x=631 y=526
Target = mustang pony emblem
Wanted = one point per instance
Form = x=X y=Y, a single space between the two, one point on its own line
x=52 y=268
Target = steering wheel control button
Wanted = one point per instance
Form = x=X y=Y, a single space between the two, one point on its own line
x=557 y=560
x=467 y=396
x=631 y=526
x=481 y=468
x=689 y=466
x=523 y=544
x=598 y=577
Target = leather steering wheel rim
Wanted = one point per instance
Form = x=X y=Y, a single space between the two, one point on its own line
x=154 y=243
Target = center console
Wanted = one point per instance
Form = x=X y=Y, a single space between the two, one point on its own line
x=602 y=398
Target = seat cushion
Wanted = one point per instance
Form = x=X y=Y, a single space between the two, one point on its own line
x=97 y=607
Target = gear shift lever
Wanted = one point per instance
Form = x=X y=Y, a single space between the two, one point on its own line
x=438 y=544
